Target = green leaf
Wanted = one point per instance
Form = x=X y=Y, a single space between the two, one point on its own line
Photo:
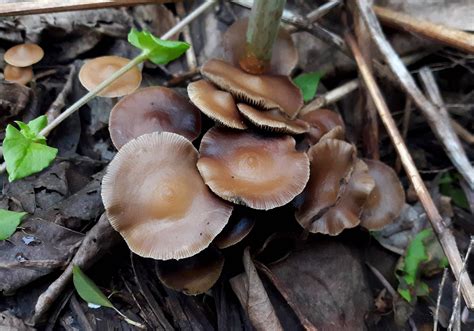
x=158 y=51
x=449 y=186
x=87 y=289
x=308 y=84
x=25 y=150
x=9 y=221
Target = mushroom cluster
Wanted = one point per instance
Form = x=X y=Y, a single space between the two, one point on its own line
x=177 y=204
x=20 y=59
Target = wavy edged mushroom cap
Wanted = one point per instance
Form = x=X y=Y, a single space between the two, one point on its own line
x=255 y=171
x=272 y=120
x=386 y=200
x=216 y=104
x=95 y=71
x=331 y=165
x=264 y=91
x=239 y=226
x=284 y=53
x=194 y=275
x=346 y=213
x=155 y=197
x=153 y=109
x=321 y=121
x=23 y=55
x=20 y=75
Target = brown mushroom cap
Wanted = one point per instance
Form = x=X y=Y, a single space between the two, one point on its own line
x=321 y=121
x=263 y=91
x=331 y=165
x=153 y=109
x=245 y=168
x=284 y=53
x=386 y=200
x=272 y=120
x=155 y=197
x=194 y=275
x=18 y=75
x=95 y=71
x=239 y=226
x=23 y=55
x=216 y=104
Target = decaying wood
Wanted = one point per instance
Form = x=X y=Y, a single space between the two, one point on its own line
x=444 y=234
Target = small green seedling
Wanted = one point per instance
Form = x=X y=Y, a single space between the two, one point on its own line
x=449 y=186
x=308 y=84
x=9 y=221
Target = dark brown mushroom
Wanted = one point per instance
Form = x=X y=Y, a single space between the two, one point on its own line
x=321 y=121
x=20 y=75
x=239 y=226
x=23 y=55
x=256 y=171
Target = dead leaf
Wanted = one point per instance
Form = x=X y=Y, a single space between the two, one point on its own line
x=8 y=322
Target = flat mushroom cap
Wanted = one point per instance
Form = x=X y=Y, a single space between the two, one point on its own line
x=235 y=231
x=153 y=109
x=284 y=53
x=386 y=200
x=345 y=214
x=255 y=171
x=321 y=121
x=332 y=162
x=23 y=55
x=155 y=197
x=194 y=275
x=272 y=120
x=20 y=75
x=95 y=71
x=216 y=104
x=264 y=91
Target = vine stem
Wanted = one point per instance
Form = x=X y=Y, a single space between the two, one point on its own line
x=128 y=320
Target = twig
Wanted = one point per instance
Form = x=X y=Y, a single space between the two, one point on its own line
x=60 y=101
x=438 y=301
x=405 y=125
x=445 y=236
x=462 y=132
x=190 y=54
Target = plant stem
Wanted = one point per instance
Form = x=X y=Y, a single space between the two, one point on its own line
x=262 y=30
x=128 y=320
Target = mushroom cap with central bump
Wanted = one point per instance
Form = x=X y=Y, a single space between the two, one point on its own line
x=153 y=109
x=252 y=170
x=263 y=91
x=95 y=71
x=216 y=104
x=155 y=197
x=20 y=75
x=23 y=55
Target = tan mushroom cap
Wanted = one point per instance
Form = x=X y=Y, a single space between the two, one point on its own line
x=194 y=275
x=284 y=52
x=264 y=91
x=23 y=55
x=18 y=75
x=95 y=71
x=331 y=165
x=252 y=170
x=387 y=199
x=216 y=104
x=153 y=109
x=346 y=213
x=155 y=197
x=321 y=121
x=239 y=226
x=272 y=120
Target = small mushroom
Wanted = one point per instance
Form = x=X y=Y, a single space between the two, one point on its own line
x=155 y=197
x=239 y=226
x=263 y=91
x=216 y=104
x=284 y=53
x=95 y=71
x=194 y=275
x=20 y=75
x=23 y=55
x=272 y=120
x=386 y=200
x=153 y=109
x=252 y=170
x=321 y=121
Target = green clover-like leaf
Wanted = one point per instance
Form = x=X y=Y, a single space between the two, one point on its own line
x=308 y=84
x=158 y=51
x=87 y=289
x=9 y=221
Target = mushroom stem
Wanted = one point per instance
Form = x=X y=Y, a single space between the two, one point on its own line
x=262 y=31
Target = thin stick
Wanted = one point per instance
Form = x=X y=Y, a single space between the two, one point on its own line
x=445 y=236
x=462 y=132
x=438 y=301
x=190 y=54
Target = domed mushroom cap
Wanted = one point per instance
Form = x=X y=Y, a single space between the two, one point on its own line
x=239 y=226
x=386 y=200
x=216 y=104
x=248 y=169
x=18 y=75
x=95 y=71
x=321 y=121
x=284 y=53
x=153 y=109
x=23 y=55
x=272 y=120
x=194 y=275
x=155 y=197
x=331 y=165
x=264 y=91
